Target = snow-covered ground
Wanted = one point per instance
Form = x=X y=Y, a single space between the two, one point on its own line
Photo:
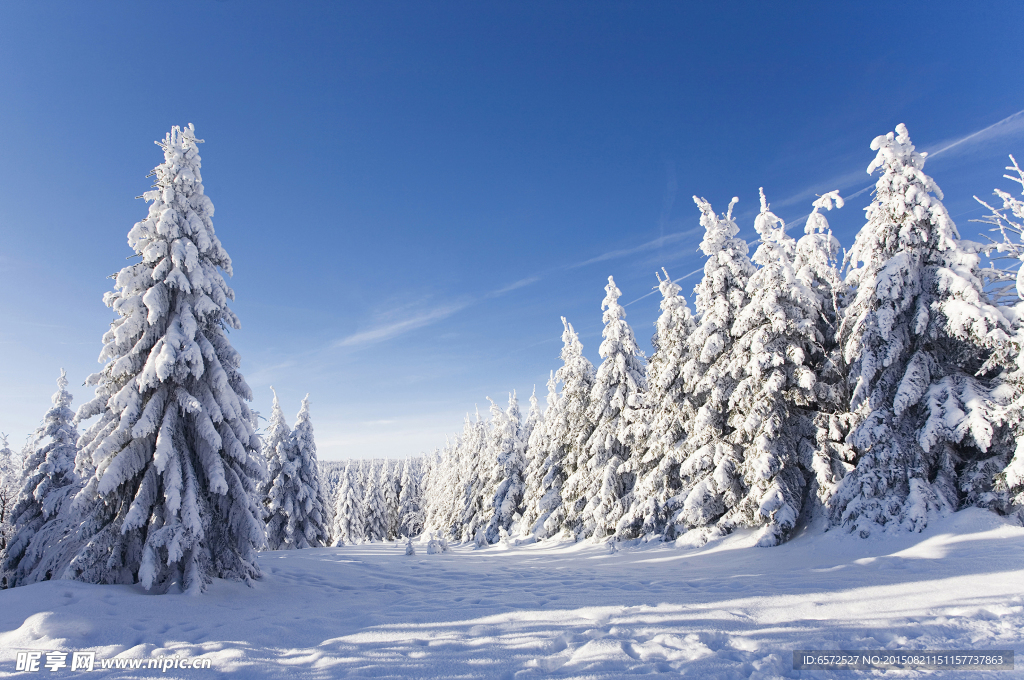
x=727 y=610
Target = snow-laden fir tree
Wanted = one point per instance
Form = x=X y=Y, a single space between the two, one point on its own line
x=173 y=459
x=916 y=334
x=568 y=430
x=593 y=493
x=392 y=493
x=10 y=484
x=410 y=501
x=295 y=503
x=275 y=451
x=39 y=516
x=442 y=493
x=771 y=411
x=655 y=462
x=816 y=266
x=710 y=465
x=375 y=510
x=474 y=478
x=348 y=516
x=995 y=482
x=509 y=466
x=535 y=435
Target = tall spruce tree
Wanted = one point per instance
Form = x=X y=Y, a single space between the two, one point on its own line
x=535 y=434
x=295 y=501
x=38 y=515
x=276 y=445
x=614 y=409
x=392 y=493
x=410 y=500
x=710 y=467
x=916 y=335
x=771 y=411
x=655 y=462
x=375 y=511
x=999 y=480
x=816 y=267
x=348 y=516
x=10 y=485
x=509 y=464
x=173 y=460
x=569 y=430
x=475 y=478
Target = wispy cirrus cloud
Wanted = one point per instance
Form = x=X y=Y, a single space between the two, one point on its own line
x=625 y=252
x=1011 y=126
x=390 y=330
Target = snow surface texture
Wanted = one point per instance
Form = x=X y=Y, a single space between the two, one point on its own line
x=726 y=610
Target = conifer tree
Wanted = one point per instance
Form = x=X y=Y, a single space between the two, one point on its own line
x=348 y=516
x=410 y=501
x=569 y=430
x=475 y=478
x=816 y=265
x=510 y=462
x=392 y=493
x=172 y=461
x=39 y=516
x=295 y=502
x=275 y=451
x=10 y=486
x=776 y=341
x=535 y=432
x=709 y=471
x=375 y=512
x=655 y=463
x=916 y=335
x=614 y=408
x=443 y=493
x=998 y=481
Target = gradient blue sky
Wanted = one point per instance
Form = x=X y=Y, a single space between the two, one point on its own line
x=413 y=193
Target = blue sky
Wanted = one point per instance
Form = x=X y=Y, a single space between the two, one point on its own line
x=413 y=193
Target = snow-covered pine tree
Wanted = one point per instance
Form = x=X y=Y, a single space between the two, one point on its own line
x=275 y=451
x=474 y=475
x=10 y=486
x=916 y=335
x=39 y=516
x=710 y=463
x=296 y=504
x=655 y=463
x=535 y=434
x=509 y=465
x=410 y=501
x=392 y=494
x=442 y=494
x=816 y=265
x=593 y=492
x=375 y=511
x=348 y=516
x=569 y=429
x=771 y=410
x=174 y=457
x=996 y=482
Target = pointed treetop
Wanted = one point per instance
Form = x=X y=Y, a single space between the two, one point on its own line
x=614 y=310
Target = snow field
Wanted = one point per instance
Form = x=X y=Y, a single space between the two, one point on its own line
x=725 y=610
